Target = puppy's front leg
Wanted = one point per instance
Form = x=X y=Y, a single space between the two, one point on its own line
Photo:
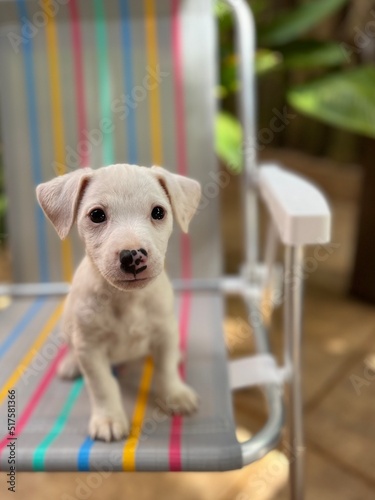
x=108 y=420
x=174 y=395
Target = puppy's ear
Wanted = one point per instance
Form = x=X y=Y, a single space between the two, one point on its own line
x=60 y=197
x=183 y=193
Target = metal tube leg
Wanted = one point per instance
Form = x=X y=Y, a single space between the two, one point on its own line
x=246 y=47
x=293 y=336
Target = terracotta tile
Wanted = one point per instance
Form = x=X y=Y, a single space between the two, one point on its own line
x=343 y=424
x=260 y=481
x=326 y=481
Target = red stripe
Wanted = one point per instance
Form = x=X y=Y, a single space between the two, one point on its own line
x=175 y=462
x=79 y=81
x=179 y=89
x=38 y=393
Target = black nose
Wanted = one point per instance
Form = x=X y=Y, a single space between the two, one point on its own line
x=133 y=261
x=126 y=258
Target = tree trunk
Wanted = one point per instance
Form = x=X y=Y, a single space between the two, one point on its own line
x=363 y=278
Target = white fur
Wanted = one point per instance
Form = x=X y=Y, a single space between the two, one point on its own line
x=111 y=317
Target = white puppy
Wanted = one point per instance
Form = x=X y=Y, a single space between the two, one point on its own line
x=120 y=306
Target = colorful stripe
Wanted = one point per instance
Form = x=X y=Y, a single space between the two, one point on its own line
x=154 y=94
x=36 y=397
x=57 y=120
x=26 y=360
x=104 y=83
x=41 y=451
x=83 y=461
x=20 y=327
x=77 y=50
x=175 y=444
x=79 y=81
x=34 y=141
x=129 y=451
x=130 y=448
x=131 y=444
x=127 y=56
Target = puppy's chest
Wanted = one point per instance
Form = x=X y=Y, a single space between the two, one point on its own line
x=124 y=332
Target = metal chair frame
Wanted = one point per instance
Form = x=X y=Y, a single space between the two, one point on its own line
x=257 y=277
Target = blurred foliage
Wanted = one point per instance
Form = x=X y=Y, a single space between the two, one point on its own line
x=228 y=139
x=343 y=93
x=293 y=23
x=343 y=100
x=307 y=54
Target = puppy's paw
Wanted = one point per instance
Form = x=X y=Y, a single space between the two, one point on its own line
x=68 y=368
x=180 y=400
x=108 y=428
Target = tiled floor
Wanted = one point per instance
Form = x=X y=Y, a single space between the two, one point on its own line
x=339 y=389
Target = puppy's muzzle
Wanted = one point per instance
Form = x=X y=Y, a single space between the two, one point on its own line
x=133 y=261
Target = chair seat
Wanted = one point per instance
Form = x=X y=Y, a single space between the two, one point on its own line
x=52 y=414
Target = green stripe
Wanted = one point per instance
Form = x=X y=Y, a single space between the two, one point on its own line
x=41 y=450
x=104 y=83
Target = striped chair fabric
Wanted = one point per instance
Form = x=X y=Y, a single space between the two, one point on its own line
x=94 y=83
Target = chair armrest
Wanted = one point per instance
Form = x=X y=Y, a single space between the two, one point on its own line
x=299 y=210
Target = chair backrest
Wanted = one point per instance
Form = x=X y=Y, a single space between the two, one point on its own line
x=90 y=83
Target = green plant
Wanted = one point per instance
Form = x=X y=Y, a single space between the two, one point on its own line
x=343 y=93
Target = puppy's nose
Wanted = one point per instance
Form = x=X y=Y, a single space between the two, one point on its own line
x=133 y=261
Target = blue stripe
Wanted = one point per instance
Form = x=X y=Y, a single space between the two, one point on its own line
x=36 y=162
x=83 y=461
x=84 y=454
x=20 y=327
x=127 y=51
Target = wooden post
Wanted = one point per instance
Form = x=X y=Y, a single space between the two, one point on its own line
x=363 y=278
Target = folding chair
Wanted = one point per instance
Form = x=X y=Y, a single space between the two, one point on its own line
x=101 y=82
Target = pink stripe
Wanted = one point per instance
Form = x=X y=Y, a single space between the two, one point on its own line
x=38 y=393
x=79 y=80
x=179 y=90
x=175 y=461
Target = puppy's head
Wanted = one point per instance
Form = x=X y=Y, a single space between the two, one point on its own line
x=124 y=215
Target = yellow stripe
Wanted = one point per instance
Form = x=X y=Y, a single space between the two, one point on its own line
x=153 y=58
x=21 y=368
x=57 y=121
x=130 y=447
x=128 y=457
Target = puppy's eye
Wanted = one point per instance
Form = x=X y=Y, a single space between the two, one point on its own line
x=97 y=216
x=158 y=213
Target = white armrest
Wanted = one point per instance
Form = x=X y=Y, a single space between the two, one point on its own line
x=299 y=210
